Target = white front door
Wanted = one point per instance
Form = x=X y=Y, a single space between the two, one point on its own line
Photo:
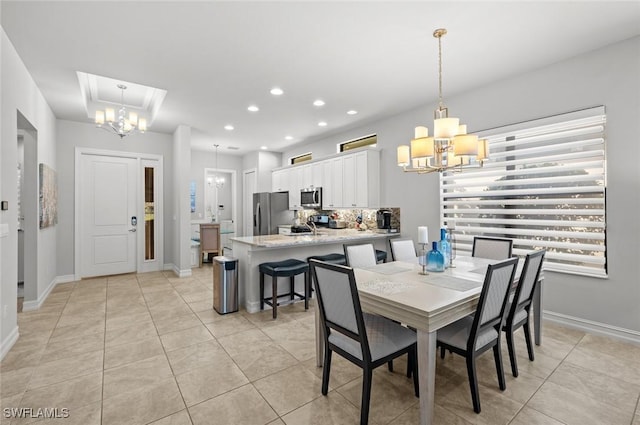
x=108 y=199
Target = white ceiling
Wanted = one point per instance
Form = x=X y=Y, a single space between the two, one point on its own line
x=216 y=58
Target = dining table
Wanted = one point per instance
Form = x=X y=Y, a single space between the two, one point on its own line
x=427 y=302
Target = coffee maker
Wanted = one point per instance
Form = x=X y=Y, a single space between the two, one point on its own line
x=383 y=217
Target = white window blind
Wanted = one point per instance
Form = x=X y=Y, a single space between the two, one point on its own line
x=543 y=186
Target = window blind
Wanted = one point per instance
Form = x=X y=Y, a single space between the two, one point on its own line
x=544 y=187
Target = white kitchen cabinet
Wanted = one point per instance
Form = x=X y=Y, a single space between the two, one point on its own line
x=280 y=180
x=361 y=180
x=347 y=180
x=332 y=183
x=295 y=185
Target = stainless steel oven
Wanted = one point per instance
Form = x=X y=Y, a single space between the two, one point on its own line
x=311 y=198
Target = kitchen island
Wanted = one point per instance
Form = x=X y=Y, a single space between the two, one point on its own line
x=254 y=250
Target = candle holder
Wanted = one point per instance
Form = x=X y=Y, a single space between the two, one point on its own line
x=422 y=259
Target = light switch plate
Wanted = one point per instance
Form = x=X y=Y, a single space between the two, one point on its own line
x=4 y=230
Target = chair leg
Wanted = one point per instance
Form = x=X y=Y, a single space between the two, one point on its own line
x=261 y=291
x=390 y=365
x=414 y=371
x=274 y=295
x=527 y=337
x=366 y=395
x=292 y=286
x=326 y=369
x=410 y=361
x=512 y=352
x=442 y=352
x=473 y=382
x=307 y=290
x=497 y=356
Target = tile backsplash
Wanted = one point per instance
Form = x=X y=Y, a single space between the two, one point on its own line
x=351 y=216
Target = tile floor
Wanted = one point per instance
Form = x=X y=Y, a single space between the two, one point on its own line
x=148 y=348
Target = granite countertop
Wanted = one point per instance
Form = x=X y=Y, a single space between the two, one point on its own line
x=324 y=236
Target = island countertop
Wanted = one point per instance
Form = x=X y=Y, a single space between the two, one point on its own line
x=251 y=251
x=324 y=236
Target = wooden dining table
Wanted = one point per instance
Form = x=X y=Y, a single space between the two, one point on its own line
x=399 y=291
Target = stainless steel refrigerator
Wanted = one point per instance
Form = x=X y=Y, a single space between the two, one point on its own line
x=269 y=211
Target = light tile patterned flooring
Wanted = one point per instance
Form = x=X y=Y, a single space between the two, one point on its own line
x=148 y=348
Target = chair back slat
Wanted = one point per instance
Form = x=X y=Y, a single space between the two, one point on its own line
x=360 y=256
x=492 y=248
x=403 y=250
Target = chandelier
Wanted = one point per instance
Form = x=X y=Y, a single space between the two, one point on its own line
x=450 y=147
x=122 y=126
x=219 y=180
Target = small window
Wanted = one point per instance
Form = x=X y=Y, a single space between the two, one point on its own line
x=359 y=143
x=301 y=158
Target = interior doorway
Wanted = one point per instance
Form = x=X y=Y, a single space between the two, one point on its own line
x=249 y=183
x=220 y=203
x=27 y=211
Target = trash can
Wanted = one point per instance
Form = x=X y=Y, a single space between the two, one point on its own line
x=225 y=284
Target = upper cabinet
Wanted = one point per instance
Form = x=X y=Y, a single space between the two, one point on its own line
x=347 y=180
x=332 y=183
x=280 y=180
x=361 y=180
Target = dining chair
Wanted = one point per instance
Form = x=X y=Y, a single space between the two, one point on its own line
x=366 y=340
x=360 y=255
x=518 y=311
x=474 y=334
x=492 y=248
x=403 y=250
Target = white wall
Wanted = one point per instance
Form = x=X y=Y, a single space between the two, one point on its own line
x=74 y=134
x=608 y=77
x=19 y=93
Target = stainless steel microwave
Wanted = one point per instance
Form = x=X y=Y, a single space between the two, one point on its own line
x=311 y=198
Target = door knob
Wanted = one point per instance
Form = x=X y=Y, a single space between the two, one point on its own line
x=132 y=230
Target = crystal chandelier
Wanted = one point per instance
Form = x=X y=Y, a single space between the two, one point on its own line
x=122 y=126
x=450 y=148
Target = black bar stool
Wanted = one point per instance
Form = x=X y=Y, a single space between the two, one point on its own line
x=338 y=259
x=381 y=256
x=287 y=268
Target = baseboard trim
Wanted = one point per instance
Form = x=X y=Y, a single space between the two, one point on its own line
x=180 y=273
x=252 y=306
x=590 y=326
x=35 y=305
x=65 y=278
x=8 y=342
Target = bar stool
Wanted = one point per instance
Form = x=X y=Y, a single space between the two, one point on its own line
x=335 y=258
x=381 y=256
x=287 y=268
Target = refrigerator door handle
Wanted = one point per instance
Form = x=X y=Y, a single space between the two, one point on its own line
x=256 y=218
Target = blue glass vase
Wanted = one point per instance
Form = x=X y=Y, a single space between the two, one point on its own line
x=444 y=246
x=435 y=259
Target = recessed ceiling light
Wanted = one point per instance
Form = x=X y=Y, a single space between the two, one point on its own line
x=322 y=124
x=352 y=112
x=277 y=91
x=318 y=102
x=263 y=147
x=288 y=137
x=253 y=108
x=228 y=127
